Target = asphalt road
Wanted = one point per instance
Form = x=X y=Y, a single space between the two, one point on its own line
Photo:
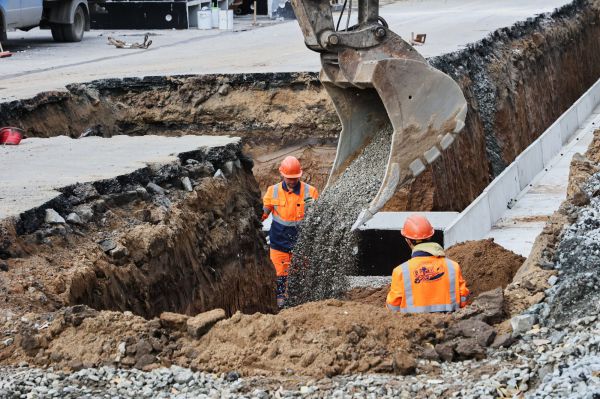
x=36 y=168
x=39 y=64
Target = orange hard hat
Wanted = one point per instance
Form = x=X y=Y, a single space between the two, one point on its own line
x=417 y=227
x=290 y=168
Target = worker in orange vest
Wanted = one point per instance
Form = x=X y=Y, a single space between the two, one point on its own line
x=428 y=282
x=287 y=201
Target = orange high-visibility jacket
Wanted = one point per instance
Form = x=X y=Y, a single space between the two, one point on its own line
x=287 y=207
x=427 y=284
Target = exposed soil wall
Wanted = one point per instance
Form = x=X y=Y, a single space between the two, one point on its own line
x=145 y=243
x=517 y=82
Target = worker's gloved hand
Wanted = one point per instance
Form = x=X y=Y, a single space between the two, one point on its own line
x=309 y=202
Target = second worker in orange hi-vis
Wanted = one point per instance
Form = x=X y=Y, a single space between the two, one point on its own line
x=287 y=202
x=428 y=282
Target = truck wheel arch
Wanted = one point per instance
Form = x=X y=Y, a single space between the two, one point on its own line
x=64 y=13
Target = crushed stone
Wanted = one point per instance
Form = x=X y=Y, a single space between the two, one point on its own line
x=325 y=254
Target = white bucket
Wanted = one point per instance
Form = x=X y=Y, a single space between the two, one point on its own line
x=204 y=19
x=222 y=19
x=215 y=17
x=230 y=19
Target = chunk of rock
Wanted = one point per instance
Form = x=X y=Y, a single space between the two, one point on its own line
x=200 y=324
x=183 y=376
x=85 y=192
x=224 y=89
x=107 y=245
x=404 y=363
x=187 y=184
x=502 y=341
x=219 y=174
x=445 y=351
x=154 y=188
x=119 y=252
x=490 y=305
x=473 y=328
x=144 y=360
x=74 y=218
x=52 y=217
x=469 y=348
x=522 y=323
x=74 y=315
x=173 y=321
x=85 y=213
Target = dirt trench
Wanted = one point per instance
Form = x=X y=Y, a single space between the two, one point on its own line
x=144 y=243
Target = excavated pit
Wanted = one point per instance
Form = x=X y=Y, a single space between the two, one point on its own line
x=517 y=82
x=145 y=242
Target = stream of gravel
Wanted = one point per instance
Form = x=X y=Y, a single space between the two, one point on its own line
x=325 y=254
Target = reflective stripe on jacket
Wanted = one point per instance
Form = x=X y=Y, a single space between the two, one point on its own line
x=427 y=284
x=287 y=207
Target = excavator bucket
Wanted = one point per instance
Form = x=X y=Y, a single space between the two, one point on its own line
x=376 y=80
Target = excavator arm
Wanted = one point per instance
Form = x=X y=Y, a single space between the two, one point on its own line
x=376 y=79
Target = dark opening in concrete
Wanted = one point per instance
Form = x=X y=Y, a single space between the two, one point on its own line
x=380 y=251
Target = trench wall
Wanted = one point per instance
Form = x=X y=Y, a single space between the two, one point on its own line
x=176 y=250
x=517 y=82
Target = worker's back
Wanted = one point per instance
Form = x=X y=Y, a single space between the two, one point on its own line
x=426 y=284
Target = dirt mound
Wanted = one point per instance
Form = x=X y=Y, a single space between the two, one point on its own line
x=369 y=295
x=485 y=264
x=320 y=338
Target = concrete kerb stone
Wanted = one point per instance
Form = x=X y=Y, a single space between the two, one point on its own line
x=503 y=191
x=551 y=144
x=471 y=224
x=569 y=122
x=529 y=163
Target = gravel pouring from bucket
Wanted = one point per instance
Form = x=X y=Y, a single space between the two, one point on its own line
x=376 y=79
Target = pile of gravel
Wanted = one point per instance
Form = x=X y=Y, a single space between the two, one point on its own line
x=108 y=382
x=325 y=253
x=576 y=292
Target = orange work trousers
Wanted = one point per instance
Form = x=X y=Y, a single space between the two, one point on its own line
x=281 y=260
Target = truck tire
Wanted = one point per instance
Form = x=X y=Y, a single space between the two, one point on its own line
x=57 y=32
x=74 y=32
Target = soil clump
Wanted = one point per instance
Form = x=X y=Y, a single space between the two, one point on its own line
x=485 y=265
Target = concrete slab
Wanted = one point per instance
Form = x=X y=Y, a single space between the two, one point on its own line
x=395 y=220
x=40 y=64
x=519 y=226
x=34 y=170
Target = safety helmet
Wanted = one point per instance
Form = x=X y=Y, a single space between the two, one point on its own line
x=417 y=227
x=290 y=168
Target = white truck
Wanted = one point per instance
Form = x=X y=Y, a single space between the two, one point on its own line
x=67 y=19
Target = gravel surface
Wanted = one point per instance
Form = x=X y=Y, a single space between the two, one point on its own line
x=368 y=281
x=325 y=253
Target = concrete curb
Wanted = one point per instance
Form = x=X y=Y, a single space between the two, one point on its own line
x=476 y=221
